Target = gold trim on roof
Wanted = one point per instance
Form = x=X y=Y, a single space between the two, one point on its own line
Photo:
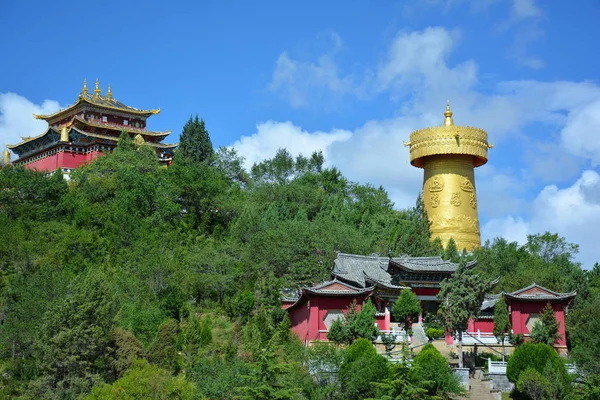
x=121 y=128
x=92 y=101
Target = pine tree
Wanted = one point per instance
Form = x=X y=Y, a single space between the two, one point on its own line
x=501 y=322
x=461 y=297
x=406 y=308
x=194 y=142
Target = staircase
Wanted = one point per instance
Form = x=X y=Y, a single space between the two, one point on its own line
x=480 y=390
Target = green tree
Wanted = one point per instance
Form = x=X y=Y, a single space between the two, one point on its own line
x=546 y=329
x=144 y=381
x=194 y=142
x=74 y=343
x=535 y=356
x=502 y=325
x=583 y=324
x=461 y=297
x=437 y=377
x=163 y=349
x=362 y=367
x=364 y=325
x=406 y=308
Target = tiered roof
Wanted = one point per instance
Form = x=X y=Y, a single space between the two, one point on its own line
x=361 y=270
x=76 y=127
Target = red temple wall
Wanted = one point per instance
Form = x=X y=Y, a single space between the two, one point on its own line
x=299 y=320
x=483 y=325
x=520 y=312
x=62 y=159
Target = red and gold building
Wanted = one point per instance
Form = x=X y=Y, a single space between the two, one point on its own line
x=86 y=129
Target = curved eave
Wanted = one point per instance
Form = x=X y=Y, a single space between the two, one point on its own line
x=566 y=297
x=115 y=139
x=29 y=139
x=130 y=110
x=384 y=285
x=124 y=128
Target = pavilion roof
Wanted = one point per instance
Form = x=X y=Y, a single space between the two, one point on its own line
x=335 y=288
x=359 y=269
x=535 y=292
x=106 y=102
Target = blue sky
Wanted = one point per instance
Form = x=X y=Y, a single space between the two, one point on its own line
x=350 y=78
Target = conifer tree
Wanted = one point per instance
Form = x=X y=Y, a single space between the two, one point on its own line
x=194 y=142
x=461 y=297
x=407 y=308
x=501 y=322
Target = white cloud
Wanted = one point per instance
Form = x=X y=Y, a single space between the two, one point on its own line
x=581 y=135
x=525 y=9
x=573 y=212
x=270 y=136
x=16 y=117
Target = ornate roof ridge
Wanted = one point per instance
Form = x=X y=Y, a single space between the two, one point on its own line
x=31 y=138
x=108 y=137
x=99 y=101
x=143 y=132
x=535 y=285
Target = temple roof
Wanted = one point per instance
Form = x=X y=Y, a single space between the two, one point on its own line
x=51 y=130
x=535 y=292
x=490 y=301
x=115 y=127
x=360 y=269
x=334 y=288
x=100 y=101
x=337 y=288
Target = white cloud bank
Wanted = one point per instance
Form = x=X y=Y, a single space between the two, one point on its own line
x=417 y=63
x=16 y=117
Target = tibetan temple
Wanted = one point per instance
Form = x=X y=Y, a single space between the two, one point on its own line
x=357 y=277
x=84 y=130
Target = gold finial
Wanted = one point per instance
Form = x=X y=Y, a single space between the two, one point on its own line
x=97 y=90
x=6 y=156
x=448 y=114
x=85 y=89
x=109 y=93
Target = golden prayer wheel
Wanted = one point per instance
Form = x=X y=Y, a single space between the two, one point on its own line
x=449 y=154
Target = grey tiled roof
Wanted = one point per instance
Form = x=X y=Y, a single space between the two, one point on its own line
x=353 y=268
x=357 y=269
x=490 y=301
x=548 y=295
x=322 y=289
x=428 y=264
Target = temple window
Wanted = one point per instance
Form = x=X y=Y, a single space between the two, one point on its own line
x=104 y=118
x=125 y=122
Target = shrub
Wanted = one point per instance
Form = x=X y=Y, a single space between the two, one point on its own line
x=535 y=356
x=433 y=333
x=533 y=384
x=435 y=372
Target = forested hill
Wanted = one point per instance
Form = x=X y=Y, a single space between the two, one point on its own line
x=183 y=267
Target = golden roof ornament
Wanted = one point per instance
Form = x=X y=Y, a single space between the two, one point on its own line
x=6 y=156
x=448 y=116
x=85 y=89
x=108 y=93
x=97 y=90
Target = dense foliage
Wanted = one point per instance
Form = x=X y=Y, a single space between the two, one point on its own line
x=158 y=282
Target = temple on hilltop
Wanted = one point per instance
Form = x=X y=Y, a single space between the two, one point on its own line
x=84 y=130
x=356 y=277
x=448 y=155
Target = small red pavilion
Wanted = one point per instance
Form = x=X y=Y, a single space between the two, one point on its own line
x=84 y=130
x=525 y=307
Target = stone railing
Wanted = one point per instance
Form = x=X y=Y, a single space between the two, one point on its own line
x=479 y=337
x=497 y=367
